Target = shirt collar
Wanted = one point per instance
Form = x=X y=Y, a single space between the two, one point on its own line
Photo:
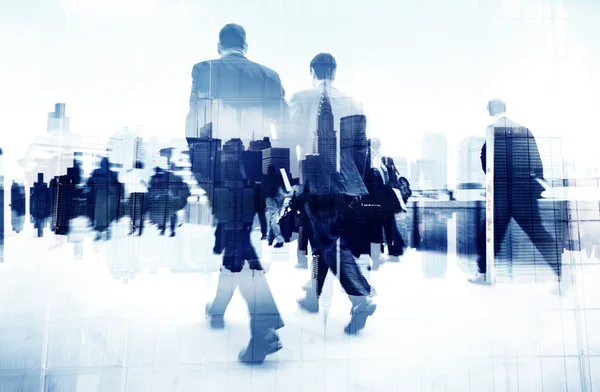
x=232 y=52
x=499 y=116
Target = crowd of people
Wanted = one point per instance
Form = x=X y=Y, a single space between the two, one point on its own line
x=343 y=202
x=336 y=214
x=103 y=198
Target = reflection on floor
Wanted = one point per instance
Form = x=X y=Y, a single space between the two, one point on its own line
x=68 y=325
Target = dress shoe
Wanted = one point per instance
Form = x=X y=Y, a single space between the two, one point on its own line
x=477 y=278
x=310 y=305
x=258 y=348
x=216 y=321
x=359 y=314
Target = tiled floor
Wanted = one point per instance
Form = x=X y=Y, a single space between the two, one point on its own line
x=68 y=325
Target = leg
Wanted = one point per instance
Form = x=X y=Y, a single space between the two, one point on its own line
x=225 y=289
x=273 y=223
x=500 y=227
x=218 y=247
x=392 y=235
x=310 y=302
x=545 y=242
x=326 y=237
x=173 y=219
x=351 y=277
x=132 y=205
x=304 y=235
x=262 y=218
x=140 y=211
x=269 y=222
x=264 y=316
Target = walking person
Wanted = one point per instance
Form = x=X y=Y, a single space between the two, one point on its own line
x=330 y=189
x=239 y=98
x=521 y=186
x=136 y=188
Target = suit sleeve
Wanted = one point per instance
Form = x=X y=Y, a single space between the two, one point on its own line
x=483 y=158
x=536 y=168
x=279 y=112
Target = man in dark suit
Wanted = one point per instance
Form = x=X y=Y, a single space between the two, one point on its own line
x=242 y=100
x=518 y=185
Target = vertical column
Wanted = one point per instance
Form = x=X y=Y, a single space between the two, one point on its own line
x=490 y=276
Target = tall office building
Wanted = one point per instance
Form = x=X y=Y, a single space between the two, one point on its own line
x=231 y=161
x=205 y=159
x=423 y=174
x=123 y=150
x=317 y=169
x=469 y=169
x=402 y=166
x=353 y=140
x=259 y=145
x=57 y=120
x=52 y=152
x=234 y=202
x=277 y=157
x=325 y=139
x=434 y=149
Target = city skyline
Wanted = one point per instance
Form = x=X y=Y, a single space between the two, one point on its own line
x=123 y=64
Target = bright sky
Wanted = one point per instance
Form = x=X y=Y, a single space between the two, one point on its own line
x=418 y=66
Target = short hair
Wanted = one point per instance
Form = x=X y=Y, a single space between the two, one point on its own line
x=232 y=36
x=324 y=64
x=139 y=165
x=496 y=106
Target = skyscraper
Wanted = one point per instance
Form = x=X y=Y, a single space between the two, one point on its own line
x=277 y=157
x=205 y=158
x=57 y=121
x=434 y=149
x=231 y=161
x=469 y=161
x=234 y=202
x=325 y=139
x=353 y=140
x=259 y=145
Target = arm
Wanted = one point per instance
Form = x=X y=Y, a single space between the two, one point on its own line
x=483 y=157
x=536 y=168
x=278 y=112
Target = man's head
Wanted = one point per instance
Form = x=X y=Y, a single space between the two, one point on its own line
x=232 y=37
x=323 y=66
x=496 y=106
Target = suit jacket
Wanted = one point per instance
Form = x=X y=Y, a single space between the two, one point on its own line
x=521 y=166
x=241 y=98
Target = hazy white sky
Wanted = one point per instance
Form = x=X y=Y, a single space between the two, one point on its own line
x=419 y=66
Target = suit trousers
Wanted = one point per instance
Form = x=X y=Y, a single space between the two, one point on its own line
x=327 y=230
x=527 y=215
x=255 y=290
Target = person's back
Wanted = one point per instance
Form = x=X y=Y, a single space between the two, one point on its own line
x=241 y=98
x=238 y=101
x=525 y=161
x=304 y=105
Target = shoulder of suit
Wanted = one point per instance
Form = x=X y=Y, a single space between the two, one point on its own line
x=506 y=122
x=268 y=71
x=304 y=94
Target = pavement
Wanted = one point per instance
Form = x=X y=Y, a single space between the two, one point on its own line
x=128 y=315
